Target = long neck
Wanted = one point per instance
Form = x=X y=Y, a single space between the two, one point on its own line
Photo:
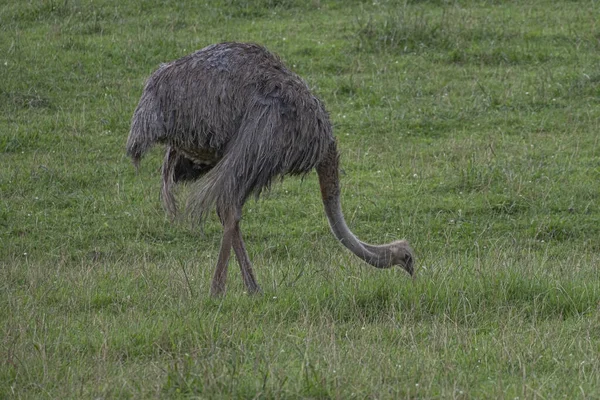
x=378 y=256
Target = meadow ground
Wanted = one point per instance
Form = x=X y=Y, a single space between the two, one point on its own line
x=469 y=128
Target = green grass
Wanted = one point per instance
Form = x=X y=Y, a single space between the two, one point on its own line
x=470 y=128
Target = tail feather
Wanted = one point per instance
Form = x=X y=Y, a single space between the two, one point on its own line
x=168 y=174
x=267 y=146
x=147 y=126
x=246 y=167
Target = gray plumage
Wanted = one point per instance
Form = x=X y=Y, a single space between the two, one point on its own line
x=233 y=118
x=214 y=107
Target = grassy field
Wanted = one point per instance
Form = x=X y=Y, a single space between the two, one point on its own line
x=469 y=128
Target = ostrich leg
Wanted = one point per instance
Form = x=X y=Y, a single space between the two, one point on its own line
x=220 y=278
x=232 y=236
x=245 y=265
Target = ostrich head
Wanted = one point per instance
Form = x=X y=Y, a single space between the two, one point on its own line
x=402 y=255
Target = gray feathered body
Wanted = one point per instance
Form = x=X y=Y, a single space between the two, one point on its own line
x=233 y=117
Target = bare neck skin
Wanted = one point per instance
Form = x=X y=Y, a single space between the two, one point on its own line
x=379 y=256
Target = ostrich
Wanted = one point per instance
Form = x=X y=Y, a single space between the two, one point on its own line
x=233 y=118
